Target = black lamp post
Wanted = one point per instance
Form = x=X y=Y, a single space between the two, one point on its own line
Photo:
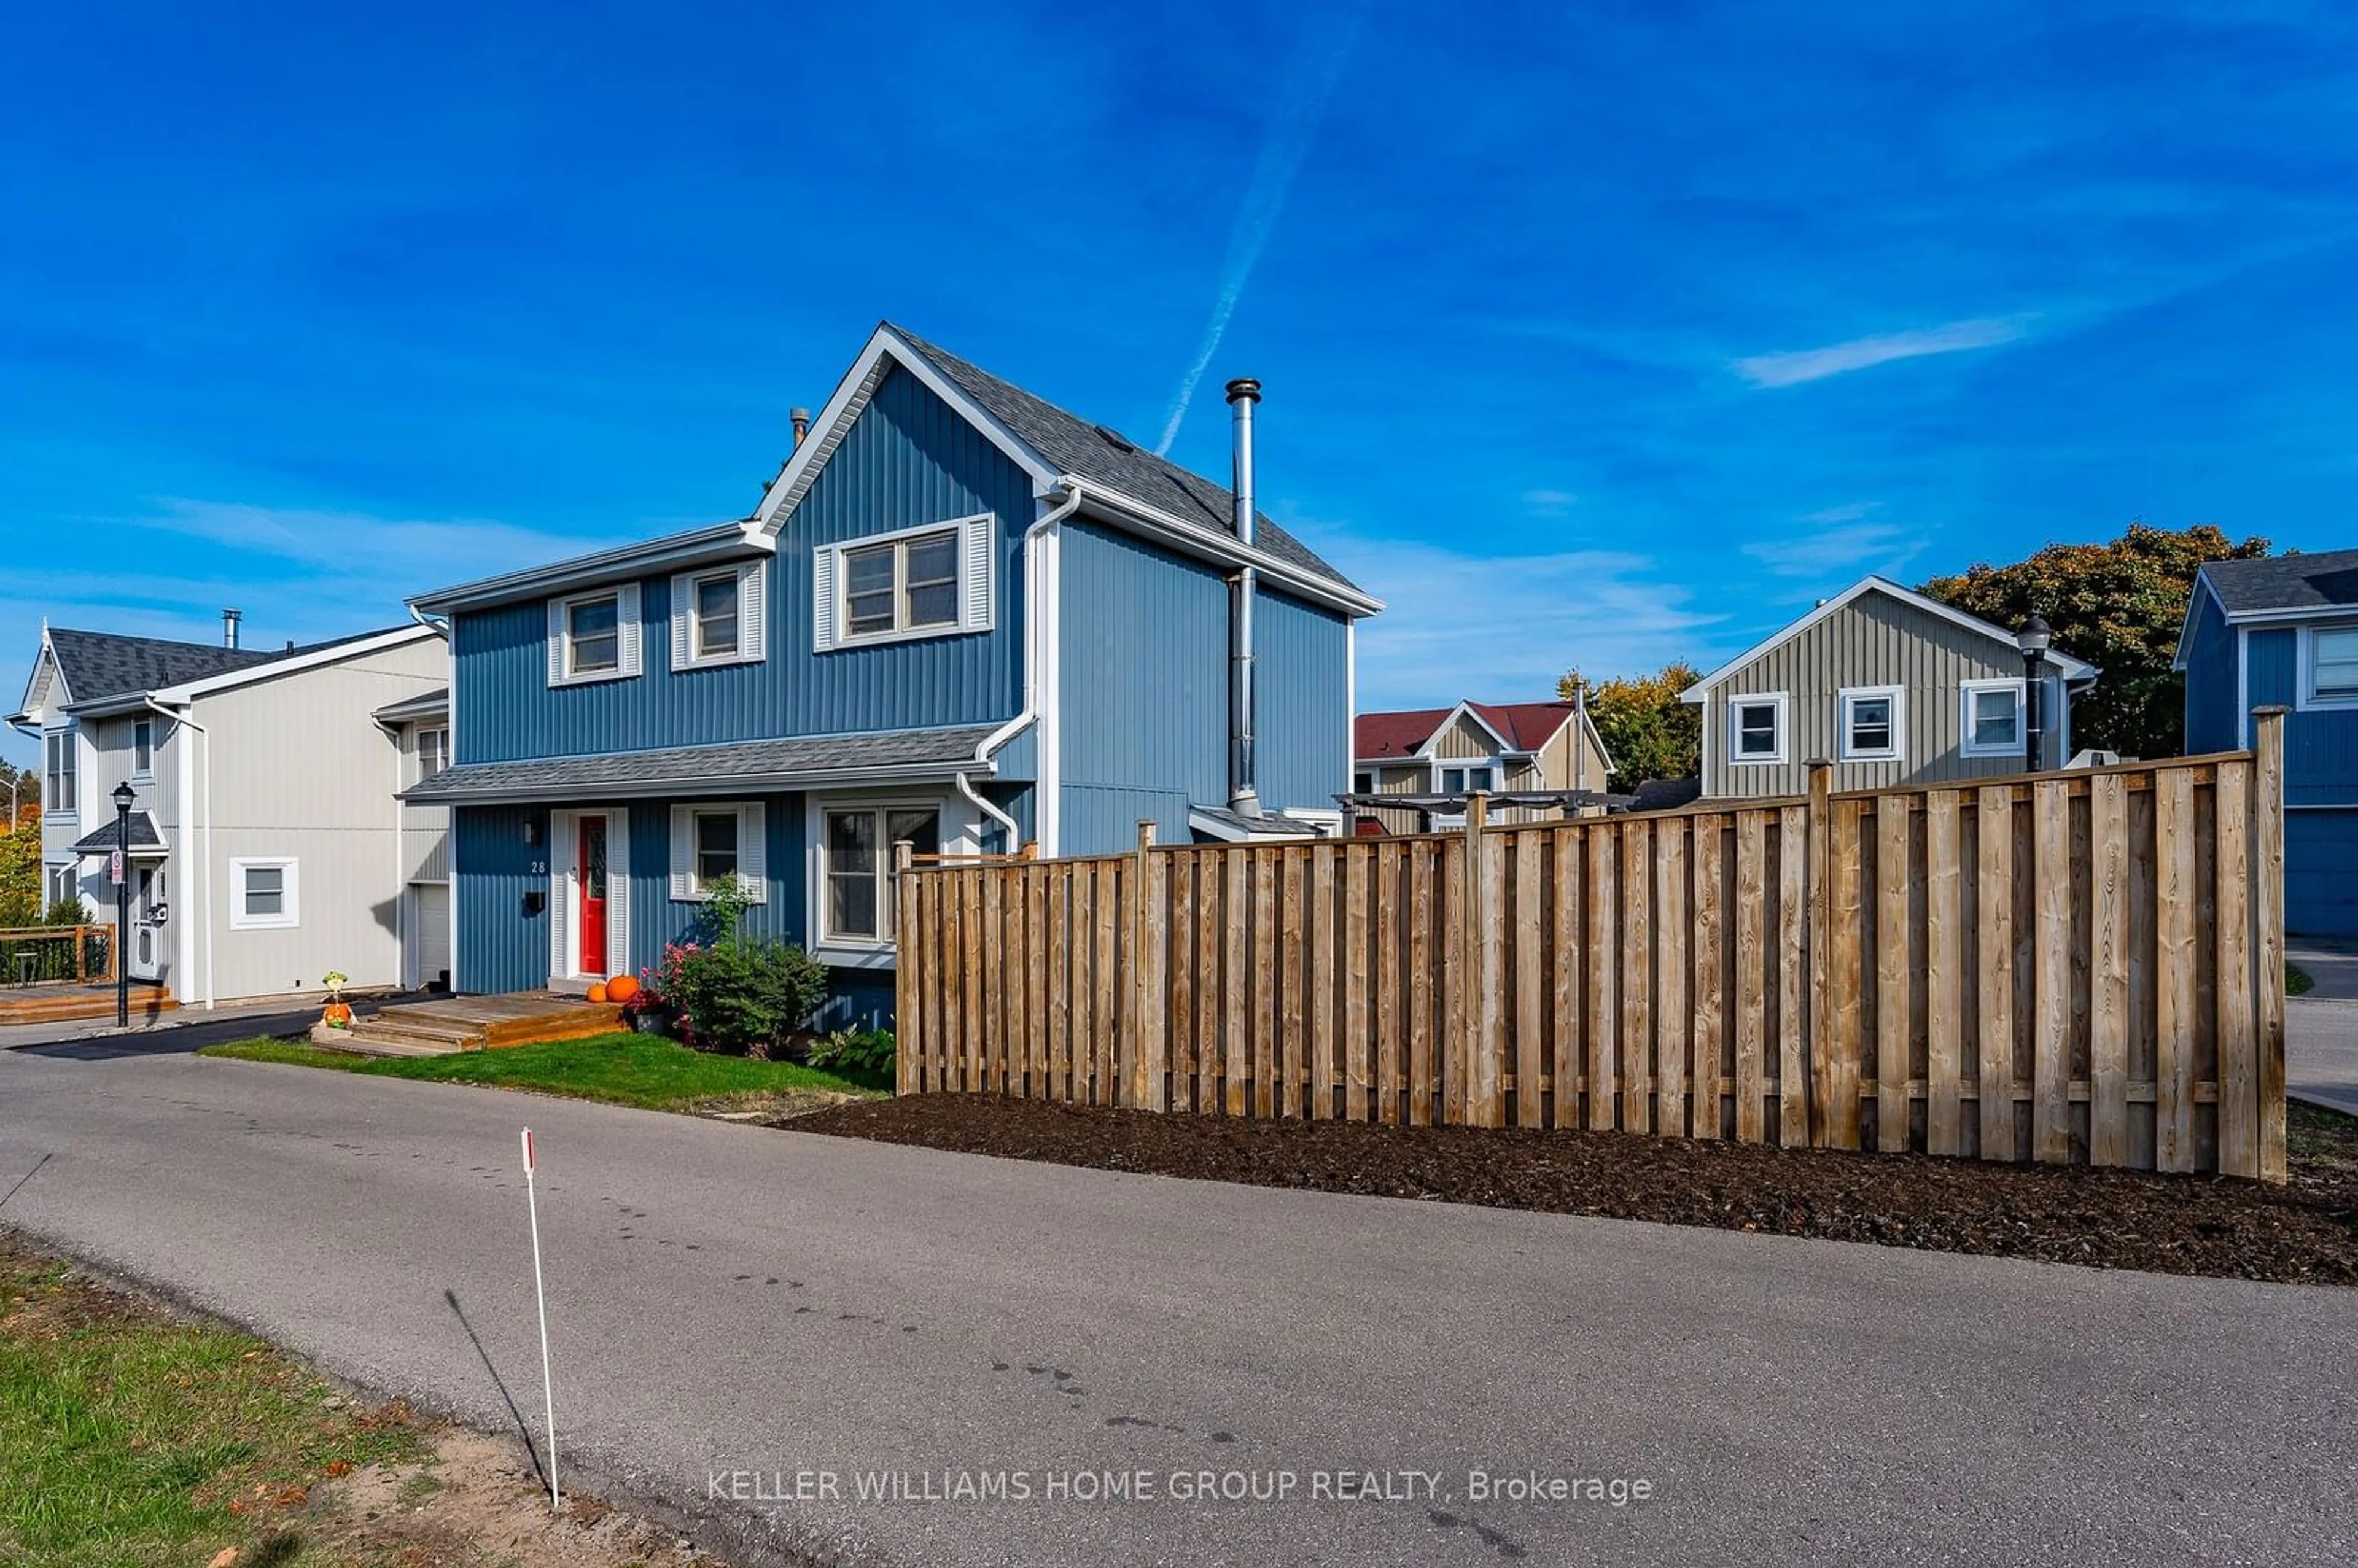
x=2034 y=640
x=124 y=796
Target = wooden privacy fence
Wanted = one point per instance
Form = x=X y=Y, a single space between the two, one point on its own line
x=2082 y=966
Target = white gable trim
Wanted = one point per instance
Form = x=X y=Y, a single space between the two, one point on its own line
x=47 y=659
x=2074 y=669
x=1466 y=708
x=885 y=349
x=296 y=663
x=2186 y=627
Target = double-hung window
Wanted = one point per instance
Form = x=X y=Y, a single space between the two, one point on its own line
x=933 y=581
x=1869 y=723
x=433 y=753
x=594 y=636
x=1992 y=718
x=142 y=749
x=2330 y=656
x=59 y=768
x=716 y=837
x=1756 y=728
x=857 y=905
x=716 y=843
x=718 y=616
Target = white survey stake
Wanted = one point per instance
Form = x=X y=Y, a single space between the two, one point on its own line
x=540 y=1300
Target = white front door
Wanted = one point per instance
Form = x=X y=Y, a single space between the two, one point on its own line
x=146 y=952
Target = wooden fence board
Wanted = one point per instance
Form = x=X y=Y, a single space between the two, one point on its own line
x=1387 y=912
x=1894 y=976
x=1637 y=985
x=1840 y=1113
x=1486 y=1102
x=1530 y=966
x=1944 y=959
x=1294 y=1037
x=1710 y=1018
x=2108 y=995
x=1564 y=860
x=2268 y=940
x=1236 y=914
x=2174 y=1022
x=1358 y=877
x=1450 y=1026
x=1672 y=1019
x=1322 y=953
x=2051 y=1110
x=1603 y=964
x=1792 y=976
x=2238 y=1032
x=1752 y=976
x=1266 y=960
x=1994 y=917
x=1424 y=877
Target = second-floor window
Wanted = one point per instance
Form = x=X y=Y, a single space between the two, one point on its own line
x=433 y=753
x=1483 y=777
x=2332 y=657
x=594 y=636
x=933 y=581
x=58 y=769
x=142 y=749
x=1992 y=718
x=717 y=616
x=1756 y=726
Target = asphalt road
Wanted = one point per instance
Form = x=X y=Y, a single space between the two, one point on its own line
x=729 y=1300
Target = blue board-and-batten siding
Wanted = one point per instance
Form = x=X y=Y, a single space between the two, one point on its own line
x=908 y=459
x=2213 y=705
x=1144 y=679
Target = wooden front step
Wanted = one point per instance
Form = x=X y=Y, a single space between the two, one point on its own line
x=80 y=1003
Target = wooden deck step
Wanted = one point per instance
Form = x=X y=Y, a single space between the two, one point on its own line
x=488 y=1023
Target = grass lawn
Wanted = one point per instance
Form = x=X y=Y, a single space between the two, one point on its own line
x=130 y=1439
x=644 y=1070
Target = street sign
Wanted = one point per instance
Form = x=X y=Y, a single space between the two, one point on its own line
x=114 y=868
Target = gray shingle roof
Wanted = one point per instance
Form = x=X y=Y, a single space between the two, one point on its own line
x=421 y=705
x=2286 y=582
x=100 y=840
x=1092 y=452
x=697 y=767
x=100 y=664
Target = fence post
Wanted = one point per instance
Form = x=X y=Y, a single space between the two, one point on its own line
x=2268 y=917
x=1478 y=1072
x=1148 y=1088
x=908 y=1020
x=81 y=954
x=1819 y=939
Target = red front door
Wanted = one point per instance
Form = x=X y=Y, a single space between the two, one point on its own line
x=593 y=895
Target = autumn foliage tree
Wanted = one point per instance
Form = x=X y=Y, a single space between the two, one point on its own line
x=1647 y=730
x=2120 y=607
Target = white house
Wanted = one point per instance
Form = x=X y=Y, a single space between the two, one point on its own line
x=266 y=844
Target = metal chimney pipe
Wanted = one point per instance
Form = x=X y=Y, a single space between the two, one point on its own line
x=801 y=417
x=229 y=618
x=1243 y=393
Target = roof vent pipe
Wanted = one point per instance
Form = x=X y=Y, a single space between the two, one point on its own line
x=1243 y=393
x=801 y=417
x=229 y=618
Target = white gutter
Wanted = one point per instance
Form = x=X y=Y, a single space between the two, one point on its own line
x=1222 y=547
x=1034 y=639
x=198 y=894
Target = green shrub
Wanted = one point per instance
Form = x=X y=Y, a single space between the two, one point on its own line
x=856 y=1051
x=743 y=994
x=64 y=912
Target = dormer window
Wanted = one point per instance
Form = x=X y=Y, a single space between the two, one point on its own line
x=594 y=636
x=932 y=581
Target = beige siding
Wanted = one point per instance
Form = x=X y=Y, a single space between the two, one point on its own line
x=1464 y=738
x=424 y=830
x=302 y=770
x=1873 y=641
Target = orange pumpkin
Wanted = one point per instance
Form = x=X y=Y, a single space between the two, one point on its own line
x=337 y=1015
x=598 y=991
x=622 y=987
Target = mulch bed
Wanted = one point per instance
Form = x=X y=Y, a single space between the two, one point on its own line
x=2306 y=1231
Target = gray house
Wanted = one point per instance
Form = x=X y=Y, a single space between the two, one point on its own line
x=1891 y=687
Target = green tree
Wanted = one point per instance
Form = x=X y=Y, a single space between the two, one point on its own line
x=2119 y=606
x=20 y=865
x=1647 y=730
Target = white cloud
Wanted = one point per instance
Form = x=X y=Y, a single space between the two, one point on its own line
x=416 y=554
x=1549 y=503
x=1795 y=367
x=1505 y=628
x=1863 y=547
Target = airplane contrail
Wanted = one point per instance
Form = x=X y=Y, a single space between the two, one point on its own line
x=1317 y=68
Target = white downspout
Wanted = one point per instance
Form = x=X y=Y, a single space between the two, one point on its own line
x=1034 y=638
x=196 y=890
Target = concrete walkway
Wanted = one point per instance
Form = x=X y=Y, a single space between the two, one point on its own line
x=738 y=1312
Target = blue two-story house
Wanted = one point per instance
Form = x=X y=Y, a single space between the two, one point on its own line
x=2284 y=631
x=959 y=617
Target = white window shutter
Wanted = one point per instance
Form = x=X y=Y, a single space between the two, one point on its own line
x=682 y=618
x=560 y=889
x=977 y=555
x=618 y=892
x=555 y=642
x=753 y=851
x=753 y=617
x=826 y=615
x=682 y=848
x=626 y=607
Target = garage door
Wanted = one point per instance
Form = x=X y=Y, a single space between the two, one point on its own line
x=430 y=902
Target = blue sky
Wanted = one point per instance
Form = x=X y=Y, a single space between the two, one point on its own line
x=1593 y=335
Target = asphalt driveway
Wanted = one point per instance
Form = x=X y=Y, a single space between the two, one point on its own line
x=732 y=1307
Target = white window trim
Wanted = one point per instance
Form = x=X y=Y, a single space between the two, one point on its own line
x=977 y=584
x=2305 y=697
x=626 y=635
x=1894 y=752
x=1498 y=772
x=1783 y=704
x=417 y=751
x=1966 y=690
x=147 y=774
x=69 y=740
x=289 y=917
x=753 y=617
x=753 y=848
x=961 y=832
